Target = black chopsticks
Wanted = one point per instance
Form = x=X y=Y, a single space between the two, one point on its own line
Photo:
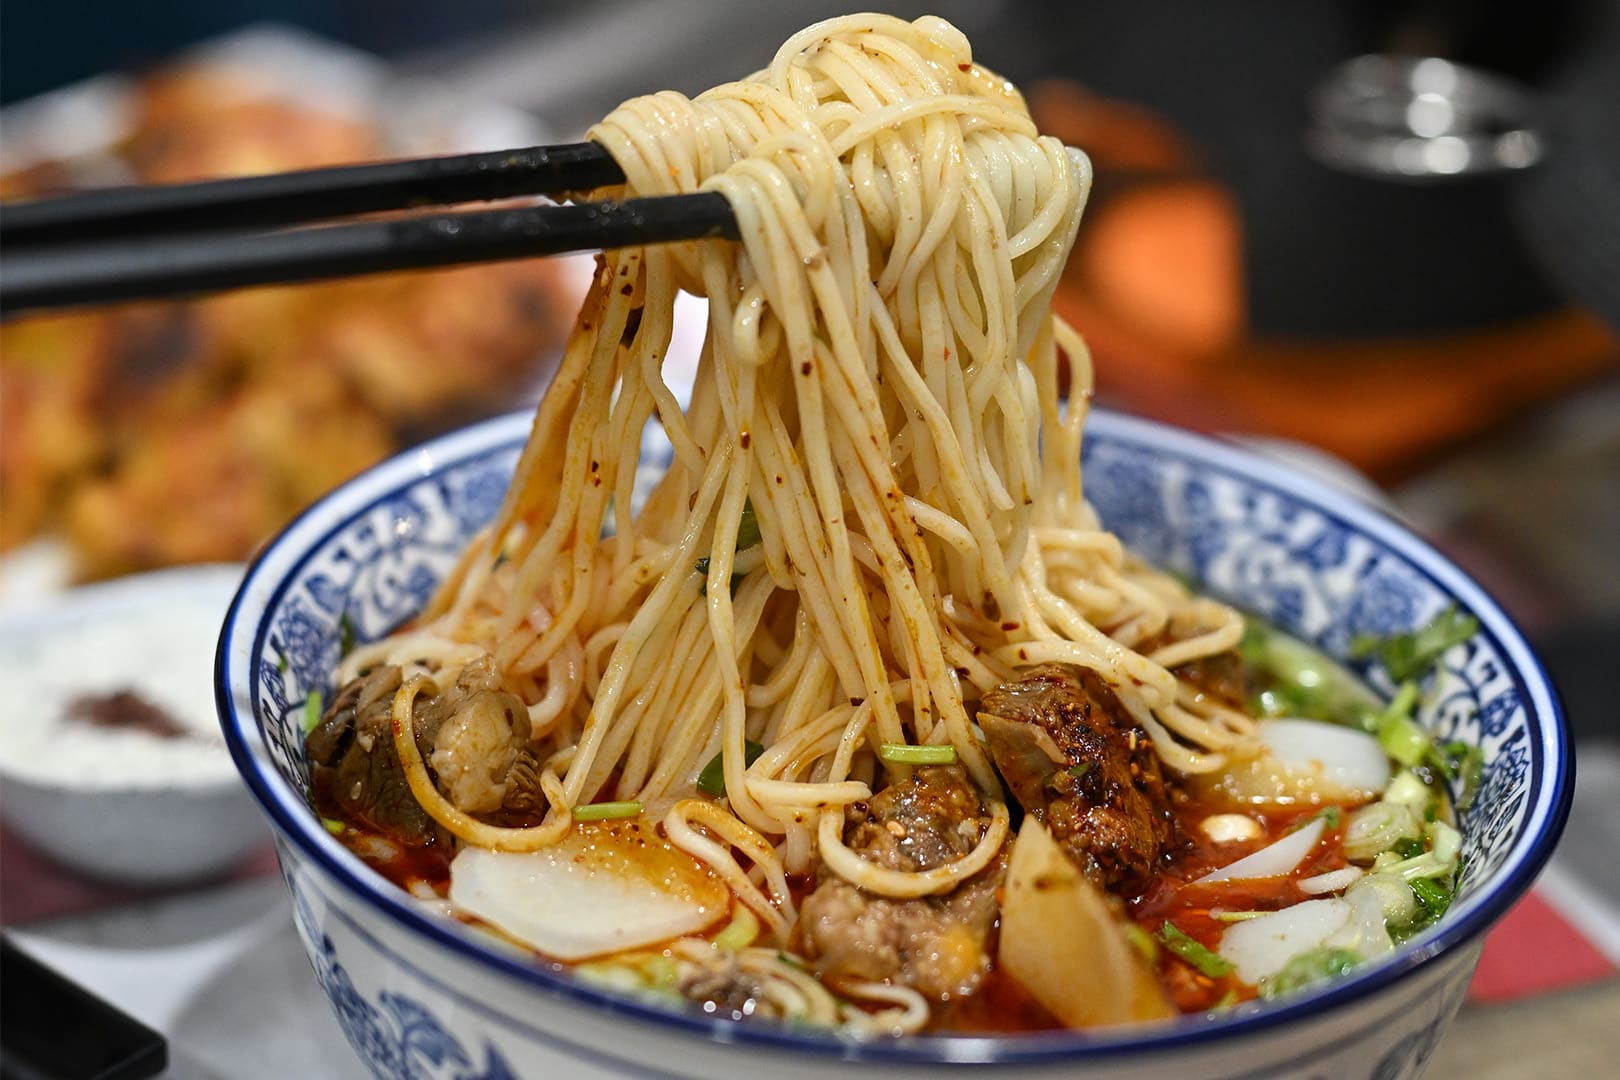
x=189 y=239
x=308 y=195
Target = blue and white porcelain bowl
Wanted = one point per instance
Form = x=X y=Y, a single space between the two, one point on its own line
x=419 y=995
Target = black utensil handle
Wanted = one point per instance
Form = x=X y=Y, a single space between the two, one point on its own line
x=214 y=262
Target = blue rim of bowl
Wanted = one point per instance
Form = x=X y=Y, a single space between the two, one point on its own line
x=1549 y=797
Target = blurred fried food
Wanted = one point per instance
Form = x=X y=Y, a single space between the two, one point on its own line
x=156 y=434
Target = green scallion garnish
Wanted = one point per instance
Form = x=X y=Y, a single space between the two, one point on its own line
x=606 y=811
x=1400 y=735
x=906 y=754
x=312 y=711
x=1202 y=959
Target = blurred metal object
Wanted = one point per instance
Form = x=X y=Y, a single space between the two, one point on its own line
x=1422 y=119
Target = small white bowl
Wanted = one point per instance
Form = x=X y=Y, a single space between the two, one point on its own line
x=123 y=805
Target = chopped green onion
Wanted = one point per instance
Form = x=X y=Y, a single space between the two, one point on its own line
x=1331 y=816
x=1408 y=847
x=1400 y=735
x=604 y=811
x=1432 y=896
x=1193 y=952
x=712 y=780
x=906 y=754
x=1077 y=771
x=1307 y=969
x=1408 y=790
x=1142 y=942
x=1236 y=916
x=333 y=826
x=1410 y=655
x=312 y=711
x=740 y=932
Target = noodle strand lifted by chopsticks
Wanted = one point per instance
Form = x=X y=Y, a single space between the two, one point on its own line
x=884 y=391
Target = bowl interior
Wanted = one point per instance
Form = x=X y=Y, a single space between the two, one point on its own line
x=1311 y=560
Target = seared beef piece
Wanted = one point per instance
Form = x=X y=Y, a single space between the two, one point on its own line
x=937 y=944
x=473 y=735
x=1075 y=759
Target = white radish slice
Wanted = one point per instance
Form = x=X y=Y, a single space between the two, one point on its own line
x=1063 y=941
x=1273 y=860
x=1330 y=882
x=1293 y=762
x=1344 y=764
x=1263 y=945
x=606 y=887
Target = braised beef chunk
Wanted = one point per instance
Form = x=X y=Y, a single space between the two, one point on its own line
x=479 y=733
x=938 y=944
x=352 y=756
x=1074 y=758
x=473 y=736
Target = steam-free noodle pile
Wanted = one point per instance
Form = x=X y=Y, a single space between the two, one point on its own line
x=885 y=392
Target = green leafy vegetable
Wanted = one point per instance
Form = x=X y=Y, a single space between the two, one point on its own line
x=1193 y=952
x=1460 y=763
x=1432 y=896
x=712 y=780
x=1308 y=969
x=605 y=811
x=312 y=711
x=906 y=754
x=1408 y=656
x=747 y=536
x=747 y=527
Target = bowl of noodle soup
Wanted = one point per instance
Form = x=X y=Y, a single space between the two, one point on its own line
x=789 y=703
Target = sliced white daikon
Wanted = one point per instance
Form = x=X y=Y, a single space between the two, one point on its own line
x=608 y=886
x=1064 y=943
x=1262 y=946
x=1273 y=860
x=1330 y=882
x=1344 y=763
x=1305 y=761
